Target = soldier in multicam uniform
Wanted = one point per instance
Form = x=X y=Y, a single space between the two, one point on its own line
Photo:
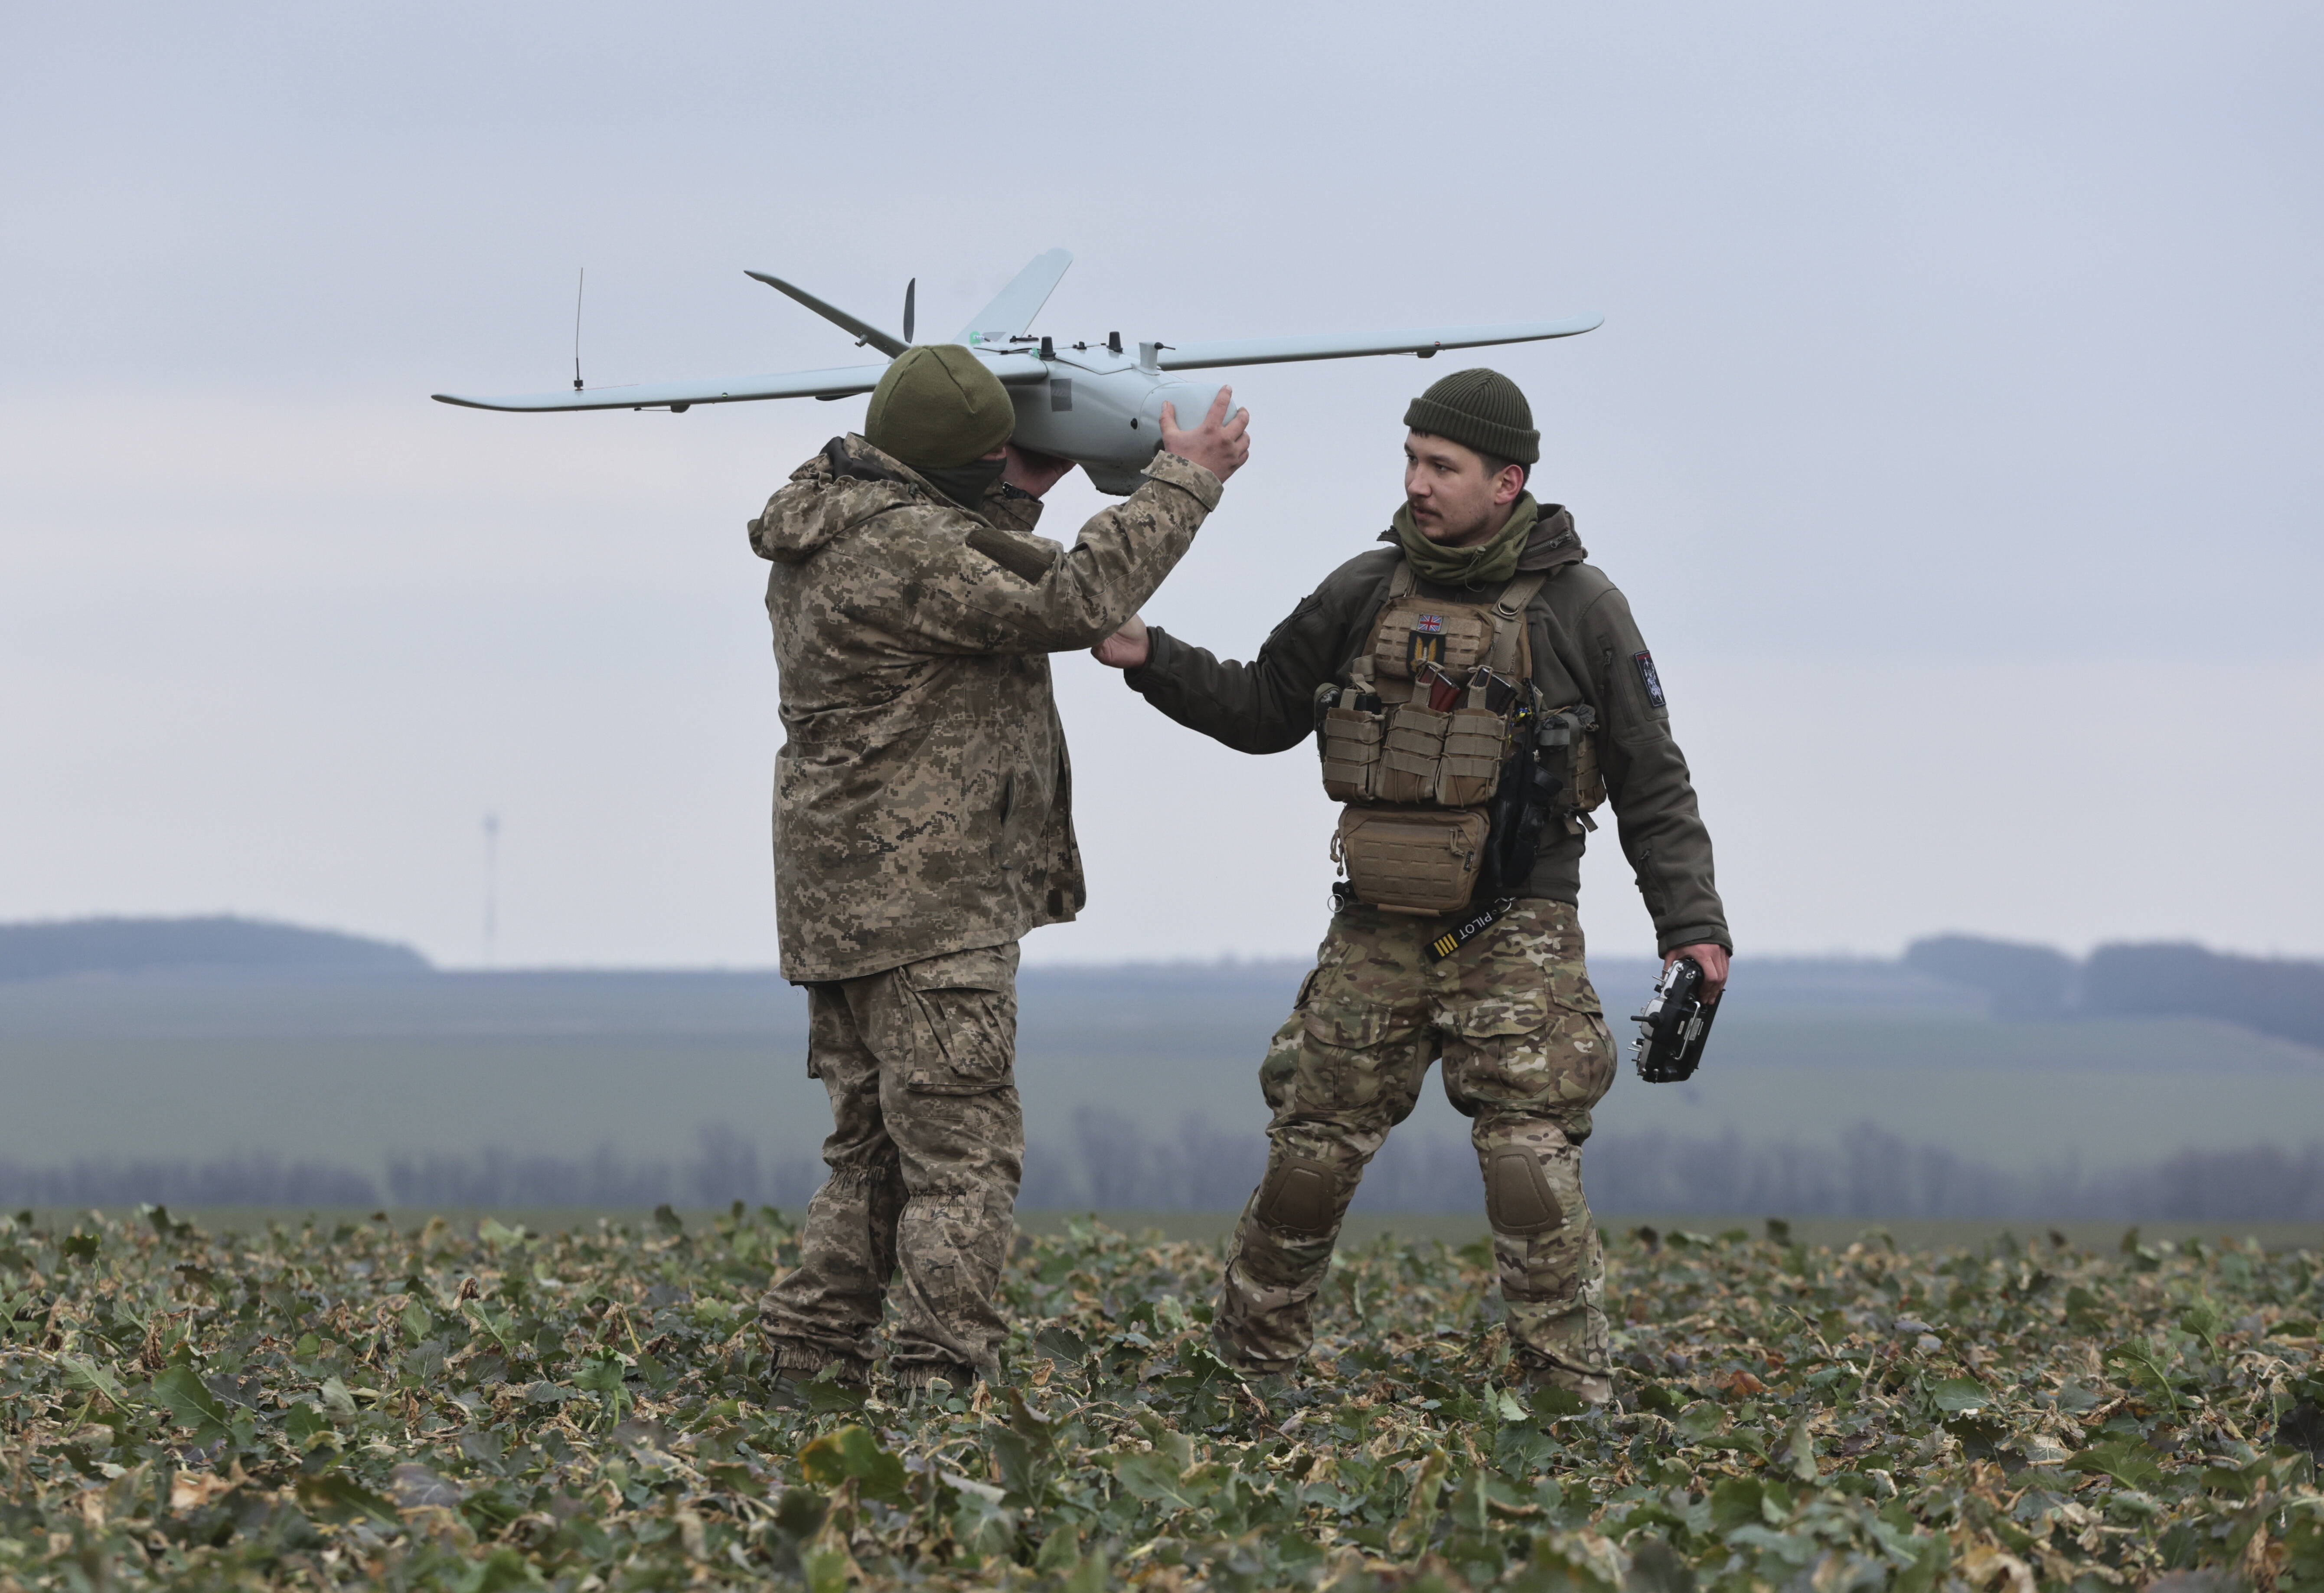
x=923 y=824
x=1509 y=1009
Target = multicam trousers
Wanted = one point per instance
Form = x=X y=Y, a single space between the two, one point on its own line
x=925 y=1151
x=1527 y=1054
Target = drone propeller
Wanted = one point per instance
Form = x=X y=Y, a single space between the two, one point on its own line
x=908 y=288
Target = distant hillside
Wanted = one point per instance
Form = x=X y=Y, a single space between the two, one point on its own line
x=1965 y=974
x=2018 y=980
x=2275 y=995
x=152 y=945
x=240 y=1062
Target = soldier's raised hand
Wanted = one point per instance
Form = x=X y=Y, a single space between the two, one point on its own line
x=1032 y=471
x=1218 y=445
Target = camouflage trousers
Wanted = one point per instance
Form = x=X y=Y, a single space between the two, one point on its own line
x=1527 y=1054
x=925 y=1151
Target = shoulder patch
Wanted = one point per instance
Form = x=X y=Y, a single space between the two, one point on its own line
x=1652 y=681
x=1020 y=556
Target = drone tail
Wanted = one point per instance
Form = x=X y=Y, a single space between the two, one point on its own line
x=1014 y=308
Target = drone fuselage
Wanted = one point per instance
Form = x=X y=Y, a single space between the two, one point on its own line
x=1103 y=410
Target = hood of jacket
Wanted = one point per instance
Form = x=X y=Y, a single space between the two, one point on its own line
x=841 y=487
x=1553 y=542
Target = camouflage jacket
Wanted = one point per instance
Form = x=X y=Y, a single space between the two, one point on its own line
x=922 y=797
x=1586 y=648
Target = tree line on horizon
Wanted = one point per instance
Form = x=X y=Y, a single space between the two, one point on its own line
x=2282 y=996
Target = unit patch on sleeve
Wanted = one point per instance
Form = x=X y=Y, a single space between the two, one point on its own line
x=1652 y=681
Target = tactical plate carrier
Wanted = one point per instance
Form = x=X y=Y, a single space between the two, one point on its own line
x=1449 y=766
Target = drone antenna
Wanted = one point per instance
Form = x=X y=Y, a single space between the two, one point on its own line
x=910 y=288
x=577 y=327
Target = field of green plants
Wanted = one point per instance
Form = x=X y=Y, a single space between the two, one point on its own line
x=362 y=1405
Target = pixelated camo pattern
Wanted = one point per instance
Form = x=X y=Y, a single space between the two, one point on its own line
x=922 y=795
x=926 y=1153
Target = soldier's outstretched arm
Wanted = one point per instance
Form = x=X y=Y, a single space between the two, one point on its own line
x=1268 y=705
x=1003 y=591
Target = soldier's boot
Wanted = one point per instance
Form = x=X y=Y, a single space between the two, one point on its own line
x=793 y=1388
x=1588 y=1387
x=1275 y=1395
x=1545 y=1247
x=927 y=1387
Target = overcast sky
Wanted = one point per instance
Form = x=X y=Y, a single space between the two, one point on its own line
x=1954 y=430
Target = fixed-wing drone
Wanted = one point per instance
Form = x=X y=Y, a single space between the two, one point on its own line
x=1095 y=403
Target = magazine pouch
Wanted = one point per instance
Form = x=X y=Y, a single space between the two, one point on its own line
x=1349 y=729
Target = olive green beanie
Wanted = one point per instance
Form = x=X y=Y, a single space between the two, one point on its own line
x=1479 y=409
x=939 y=405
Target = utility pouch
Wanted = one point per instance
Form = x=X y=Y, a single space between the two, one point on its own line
x=1411 y=752
x=1572 y=729
x=1349 y=737
x=1423 y=861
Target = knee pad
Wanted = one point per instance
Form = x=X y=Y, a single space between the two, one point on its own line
x=1300 y=1196
x=1517 y=1198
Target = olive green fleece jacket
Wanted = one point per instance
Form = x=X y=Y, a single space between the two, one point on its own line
x=1586 y=648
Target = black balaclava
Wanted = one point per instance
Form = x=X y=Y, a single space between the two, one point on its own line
x=966 y=484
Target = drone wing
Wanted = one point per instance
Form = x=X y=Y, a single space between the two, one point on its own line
x=1423 y=342
x=1016 y=305
x=831 y=384
x=841 y=383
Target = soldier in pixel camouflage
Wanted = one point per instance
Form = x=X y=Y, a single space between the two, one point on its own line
x=922 y=824
x=1496 y=990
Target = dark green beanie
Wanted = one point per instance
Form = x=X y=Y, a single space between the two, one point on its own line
x=936 y=406
x=1479 y=409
